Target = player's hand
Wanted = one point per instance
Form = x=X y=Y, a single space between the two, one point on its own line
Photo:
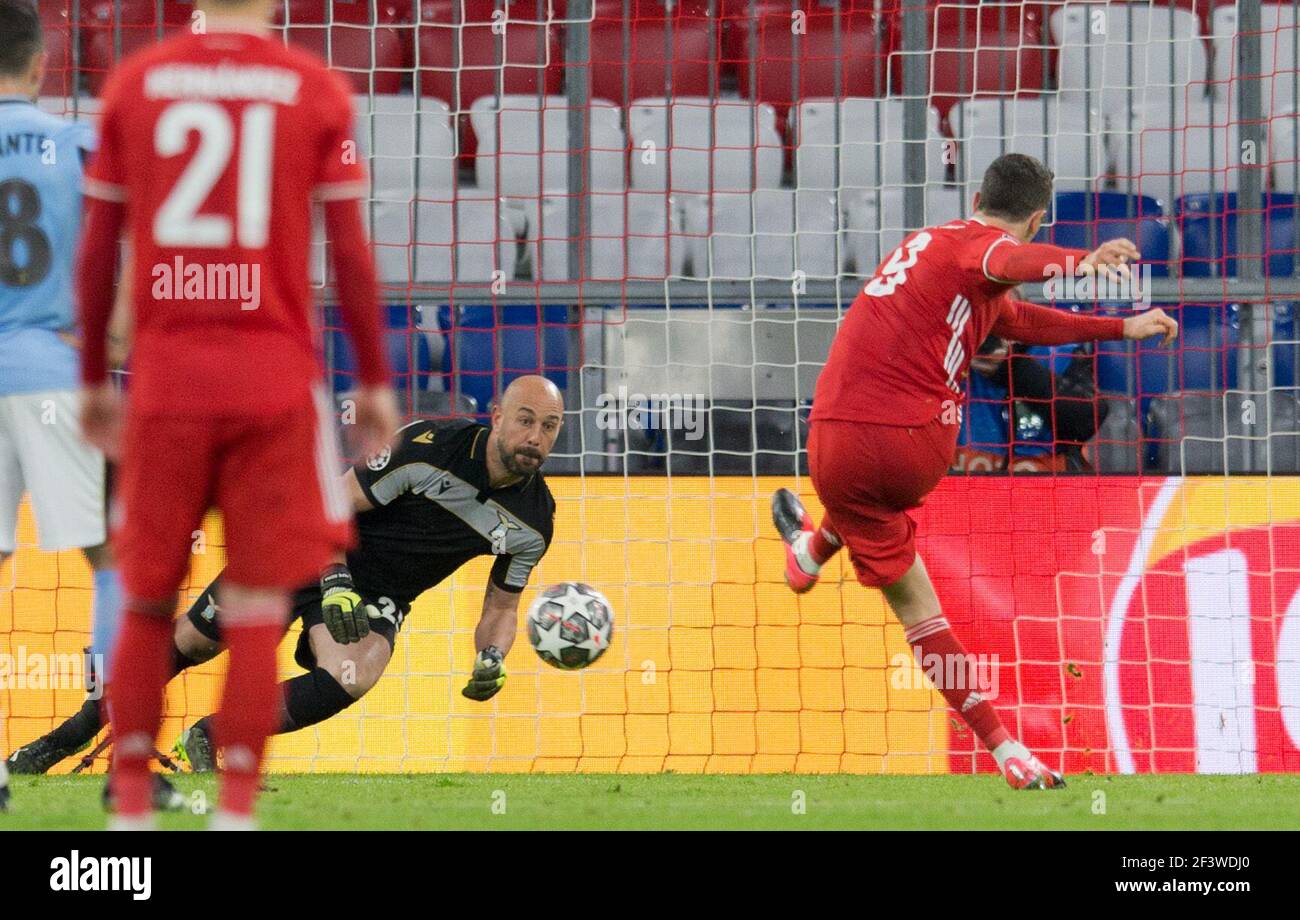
x=1111 y=259
x=377 y=418
x=101 y=418
x=489 y=675
x=346 y=615
x=1151 y=323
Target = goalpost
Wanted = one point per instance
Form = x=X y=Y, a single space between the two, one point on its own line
x=667 y=208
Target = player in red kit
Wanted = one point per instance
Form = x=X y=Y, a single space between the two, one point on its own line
x=215 y=145
x=887 y=411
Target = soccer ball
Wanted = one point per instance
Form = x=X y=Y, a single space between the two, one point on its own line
x=570 y=625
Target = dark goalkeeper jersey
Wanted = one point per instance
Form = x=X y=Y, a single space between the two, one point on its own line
x=434 y=511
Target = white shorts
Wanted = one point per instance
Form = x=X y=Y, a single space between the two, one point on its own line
x=42 y=453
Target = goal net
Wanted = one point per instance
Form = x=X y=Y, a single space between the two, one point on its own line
x=666 y=208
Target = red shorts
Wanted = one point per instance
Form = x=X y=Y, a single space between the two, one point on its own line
x=274 y=477
x=868 y=477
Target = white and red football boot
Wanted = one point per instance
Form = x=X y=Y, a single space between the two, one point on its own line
x=796 y=529
x=1028 y=772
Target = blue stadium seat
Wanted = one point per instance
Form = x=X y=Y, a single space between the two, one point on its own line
x=1208 y=224
x=1083 y=220
x=526 y=346
x=409 y=351
x=1202 y=360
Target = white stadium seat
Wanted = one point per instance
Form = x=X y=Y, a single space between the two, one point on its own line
x=879 y=224
x=857 y=144
x=1165 y=154
x=1067 y=137
x=1285 y=156
x=535 y=139
x=712 y=146
x=1277 y=46
x=409 y=143
x=1120 y=54
x=413 y=240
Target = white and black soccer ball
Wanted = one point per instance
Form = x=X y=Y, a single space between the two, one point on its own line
x=570 y=625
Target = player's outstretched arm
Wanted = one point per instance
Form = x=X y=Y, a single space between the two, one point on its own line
x=493 y=638
x=1152 y=323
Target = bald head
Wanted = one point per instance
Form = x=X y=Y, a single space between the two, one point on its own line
x=535 y=392
x=525 y=423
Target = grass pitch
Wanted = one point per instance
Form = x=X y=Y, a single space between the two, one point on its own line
x=691 y=802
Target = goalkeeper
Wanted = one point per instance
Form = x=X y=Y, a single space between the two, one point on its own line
x=445 y=494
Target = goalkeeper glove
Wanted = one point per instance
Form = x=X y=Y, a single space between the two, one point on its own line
x=346 y=615
x=489 y=675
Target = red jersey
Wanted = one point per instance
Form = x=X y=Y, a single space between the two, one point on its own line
x=905 y=345
x=218 y=144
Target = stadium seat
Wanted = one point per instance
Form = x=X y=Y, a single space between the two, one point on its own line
x=1277 y=46
x=535 y=139
x=864 y=151
x=514 y=340
x=1197 y=432
x=1069 y=138
x=991 y=49
x=1166 y=153
x=712 y=146
x=676 y=56
x=409 y=144
x=409 y=350
x=413 y=240
x=1120 y=54
x=1117 y=446
x=1207 y=225
x=460 y=64
x=1085 y=220
x=1284 y=154
x=373 y=58
x=353 y=12
x=60 y=74
x=878 y=223
x=788 y=66
x=112 y=29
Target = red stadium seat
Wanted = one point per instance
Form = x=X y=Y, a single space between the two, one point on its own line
x=353 y=12
x=525 y=58
x=359 y=52
x=56 y=21
x=686 y=71
x=862 y=60
x=985 y=50
x=112 y=29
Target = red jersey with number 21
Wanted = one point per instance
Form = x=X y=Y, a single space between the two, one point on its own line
x=220 y=143
x=905 y=345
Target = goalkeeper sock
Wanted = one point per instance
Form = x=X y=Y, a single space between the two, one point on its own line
x=311 y=698
x=79 y=729
x=249 y=703
x=139 y=675
x=940 y=655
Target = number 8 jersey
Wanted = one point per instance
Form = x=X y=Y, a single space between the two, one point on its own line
x=905 y=345
x=220 y=143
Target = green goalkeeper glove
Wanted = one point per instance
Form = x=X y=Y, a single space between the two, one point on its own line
x=489 y=675
x=346 y=615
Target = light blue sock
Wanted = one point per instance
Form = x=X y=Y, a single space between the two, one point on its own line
x=106 y=617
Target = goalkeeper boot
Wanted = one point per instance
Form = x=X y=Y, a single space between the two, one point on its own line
x=166 y=797
x=1031 y=773
x=195 y=747
x=796 y=529
x=37 y=758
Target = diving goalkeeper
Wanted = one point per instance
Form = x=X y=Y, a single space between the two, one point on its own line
x=445 y=494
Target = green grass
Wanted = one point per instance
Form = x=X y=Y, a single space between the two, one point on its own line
x=602 y=801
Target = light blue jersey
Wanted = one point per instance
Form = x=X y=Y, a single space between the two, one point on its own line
x=41 y=161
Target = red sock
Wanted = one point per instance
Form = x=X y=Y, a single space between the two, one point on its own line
x=140 y=673
x=250 y=709
x=824 y=544
x=945 y=661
